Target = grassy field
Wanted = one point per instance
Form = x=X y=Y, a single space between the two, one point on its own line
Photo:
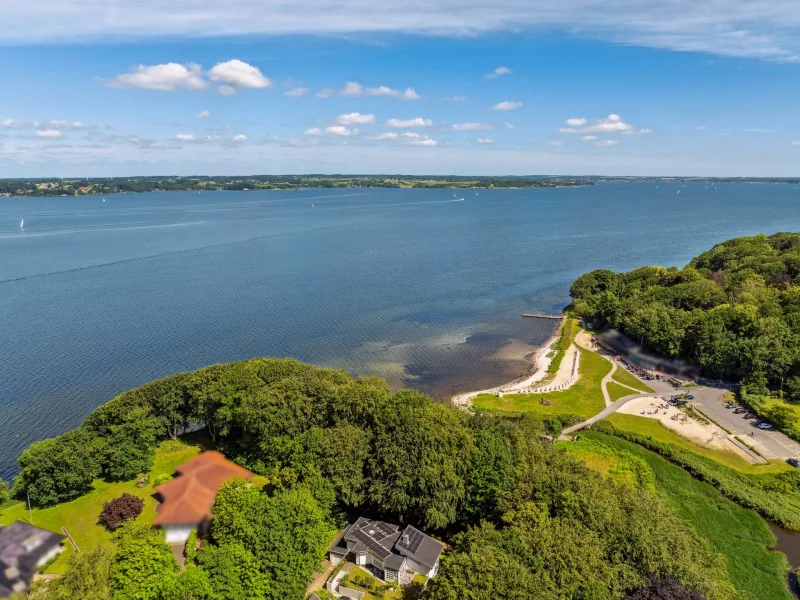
x=654 y=429
x=623 y=376
x=616 y=391
x=740 y=535
x=770 y=402
x=584 y=398
x=80 y=515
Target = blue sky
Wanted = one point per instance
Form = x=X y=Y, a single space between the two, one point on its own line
x=461 y=88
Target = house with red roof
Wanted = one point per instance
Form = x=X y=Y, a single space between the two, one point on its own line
x=186 y=500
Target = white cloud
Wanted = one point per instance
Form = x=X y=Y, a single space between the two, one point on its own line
x=185 y=137
x=326 y=93
x=416 y=122
x=390 y=135
x=499 y=72
x=509 y=125
x=203 y=115
x=237 y=74
x=555 y=143
x=768 y=30
x=796 y=143
x=226 y=90
x=471 y=126
x=637 y=132
x=352 y=89
x=606 y=143
x=611 y=124
x=355 y=118
x=758 y=130
x=333 y=131
x=485 y=141
x=17 y=124
x=507 y=105
x=240 y=138
x=415 y=139
x=166 y=78
x=588 y=138
x=55 y=123
x=49 y=133
x=456 y=98
x=296 y=92
x=408 y=94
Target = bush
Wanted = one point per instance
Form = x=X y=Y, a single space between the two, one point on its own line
x=121 y=509
x=161 y=479
x=190 y=552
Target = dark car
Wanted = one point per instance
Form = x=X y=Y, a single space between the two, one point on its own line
x=690 y=397
x=794 y=462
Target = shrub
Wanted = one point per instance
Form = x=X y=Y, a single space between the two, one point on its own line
x=190 y=552
x=163 y=478
x=121 y=509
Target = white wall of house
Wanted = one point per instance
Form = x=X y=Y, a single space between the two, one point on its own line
x=361 y=559
x=420 y=568
x=178 y=533
x=53 y=551
x=335 y=558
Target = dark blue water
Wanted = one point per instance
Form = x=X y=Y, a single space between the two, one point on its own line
x=96 y=298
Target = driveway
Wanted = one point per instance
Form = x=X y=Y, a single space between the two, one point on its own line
x=771 y=444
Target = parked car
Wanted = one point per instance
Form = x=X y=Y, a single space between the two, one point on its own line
x=690 y=397
x=764 y=426
x=794 y=462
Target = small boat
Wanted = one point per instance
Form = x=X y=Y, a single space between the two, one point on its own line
x=458 y=200
x=22 y=225
x=104 y=198
x=679 y=191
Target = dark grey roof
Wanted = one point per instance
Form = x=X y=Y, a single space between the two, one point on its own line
x=394 y=562
x=22 y=546
x=419 y=547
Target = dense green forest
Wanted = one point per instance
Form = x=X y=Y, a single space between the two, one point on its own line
x=734 y=310
x=525 y=520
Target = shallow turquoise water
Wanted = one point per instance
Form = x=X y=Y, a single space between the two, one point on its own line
x=96 y=298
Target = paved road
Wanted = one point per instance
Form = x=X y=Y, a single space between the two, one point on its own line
x=608 y=410
x=771 y=444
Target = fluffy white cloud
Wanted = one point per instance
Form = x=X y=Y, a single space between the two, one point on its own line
x=237 y=74
x=485 y=141
x=606 y=143
x=240 y=138
x=185 y=137
x=471 y=126
x=297 y=92
x=355 y=118
x=408 y=94
x=333 y=131
x=55 y=123
x=637 y=132
x=226 y=90
x=416 y=122
x=588 y=138
x=509 y=125
x=49 y=133
x=352 y=89
x=203 y=115
x=326 y=93
x=507 y=105
x=499 y=72
x=555 y=143
x=389 y=135
x=166 y=78
x=611 y=124
x=415 y=139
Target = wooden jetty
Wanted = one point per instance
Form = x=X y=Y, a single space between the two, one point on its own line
x=530 y=316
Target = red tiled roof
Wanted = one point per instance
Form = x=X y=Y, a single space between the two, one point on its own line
x=188 y=498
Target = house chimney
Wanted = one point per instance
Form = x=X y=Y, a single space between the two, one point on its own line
x=405 y=539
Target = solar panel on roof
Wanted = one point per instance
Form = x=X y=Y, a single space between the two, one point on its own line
x=411 y=539
x=373 y=545
x=385 y=528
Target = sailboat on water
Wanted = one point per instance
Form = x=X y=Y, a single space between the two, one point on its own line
x=22 y=225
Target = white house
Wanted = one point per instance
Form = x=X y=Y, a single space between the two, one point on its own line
x=23 y=549
x=386 y=551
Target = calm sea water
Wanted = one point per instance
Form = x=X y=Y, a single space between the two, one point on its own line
x=99 y=297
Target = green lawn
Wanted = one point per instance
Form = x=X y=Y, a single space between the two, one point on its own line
x=623 y=376
x=80 y=515
x=654 y=429
x=584 y=398
x=617 y=391
x=740 y=535
x=411 y=592
x=770 y=402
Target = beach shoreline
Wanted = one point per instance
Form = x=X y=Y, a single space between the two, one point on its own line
x=538 y=370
